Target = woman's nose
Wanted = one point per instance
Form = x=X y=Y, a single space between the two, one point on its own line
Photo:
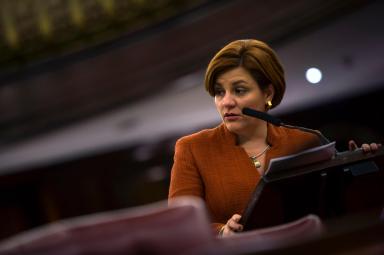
x=228 y=100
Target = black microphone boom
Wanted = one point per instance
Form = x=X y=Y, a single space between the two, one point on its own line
x=263 y=116
x=277 y=122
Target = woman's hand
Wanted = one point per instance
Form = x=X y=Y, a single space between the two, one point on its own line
x=365 y=146
x=232 y=226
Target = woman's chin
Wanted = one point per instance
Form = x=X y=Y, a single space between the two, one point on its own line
x=233 y=127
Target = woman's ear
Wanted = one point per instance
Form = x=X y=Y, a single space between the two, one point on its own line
x=269 y=92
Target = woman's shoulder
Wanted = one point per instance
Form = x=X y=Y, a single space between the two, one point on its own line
x=294 y=136
x=282 y=132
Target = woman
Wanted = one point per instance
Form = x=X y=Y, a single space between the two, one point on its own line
x=223 y=165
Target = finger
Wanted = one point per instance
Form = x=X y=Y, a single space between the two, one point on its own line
x=365 y=147
x=226 y=230
x=352 y=145
x=374 y=147
x=229 y=232
x=236 y=217
x=234 y=226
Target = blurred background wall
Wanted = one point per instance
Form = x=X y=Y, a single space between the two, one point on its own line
x=94 y=93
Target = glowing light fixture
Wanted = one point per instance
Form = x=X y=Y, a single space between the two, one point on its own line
x=313 y=75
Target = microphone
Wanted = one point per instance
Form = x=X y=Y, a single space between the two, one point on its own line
x=277 y=122
x=263 y=116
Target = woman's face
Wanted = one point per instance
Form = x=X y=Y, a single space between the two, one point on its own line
x=234 y=90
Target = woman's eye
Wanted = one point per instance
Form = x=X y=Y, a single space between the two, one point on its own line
x=240 y=91
x=219 y=92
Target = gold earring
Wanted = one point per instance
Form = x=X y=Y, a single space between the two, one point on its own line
x=269 y=104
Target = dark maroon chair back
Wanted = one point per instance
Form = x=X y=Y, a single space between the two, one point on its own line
x=157 y=228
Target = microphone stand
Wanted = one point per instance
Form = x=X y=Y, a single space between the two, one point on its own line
x=277 y=122
x=322 y=138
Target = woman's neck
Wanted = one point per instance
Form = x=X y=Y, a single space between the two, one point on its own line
x=254 y=137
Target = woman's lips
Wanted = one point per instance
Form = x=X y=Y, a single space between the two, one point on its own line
x=231 y=116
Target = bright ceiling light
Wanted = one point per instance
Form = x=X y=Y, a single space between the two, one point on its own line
x=313 y=75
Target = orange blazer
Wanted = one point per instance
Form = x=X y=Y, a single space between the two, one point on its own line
x=209 y=164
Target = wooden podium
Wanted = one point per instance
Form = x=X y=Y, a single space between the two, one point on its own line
x=351 y=182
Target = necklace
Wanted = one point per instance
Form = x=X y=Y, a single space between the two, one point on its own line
x=254 y=158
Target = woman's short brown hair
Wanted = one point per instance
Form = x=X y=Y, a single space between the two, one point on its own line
x=256 y=57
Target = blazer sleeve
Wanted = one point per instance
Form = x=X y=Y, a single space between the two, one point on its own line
x=185 y=176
